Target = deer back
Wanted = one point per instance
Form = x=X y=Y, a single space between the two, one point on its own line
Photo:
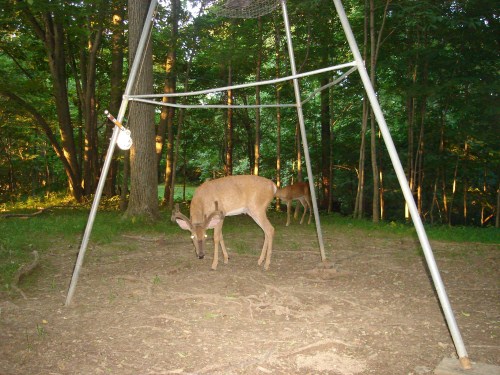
x=294 y=191
x=234 y=194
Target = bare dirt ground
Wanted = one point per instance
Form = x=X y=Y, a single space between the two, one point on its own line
x=147 y=305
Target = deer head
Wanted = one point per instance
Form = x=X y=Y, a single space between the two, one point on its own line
x=198 y=230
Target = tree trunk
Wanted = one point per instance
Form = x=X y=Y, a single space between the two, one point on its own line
x=250 y=140
x=331 y=158
x=442 y=169
x=360 y=191
x=88 y=68
x=51 y=32
x=257 y=101
x=453 y=192
x=228 y=164
x=298 y=145
x=325 y=144
x=143 y=177
x=168 y=113
x=278 y=111
x=116 y=80
x=497 y=219
x=373 y=135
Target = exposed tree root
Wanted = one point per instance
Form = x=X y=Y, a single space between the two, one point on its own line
x=24 y=216
x=24 y=270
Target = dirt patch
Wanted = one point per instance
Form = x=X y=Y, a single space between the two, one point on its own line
x=148 y=306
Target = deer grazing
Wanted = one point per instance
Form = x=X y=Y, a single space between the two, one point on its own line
x=228 y=196
x=298 y=191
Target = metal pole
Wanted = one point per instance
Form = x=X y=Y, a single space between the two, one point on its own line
x=424 y=241
x=102 y=180
x=303 y=131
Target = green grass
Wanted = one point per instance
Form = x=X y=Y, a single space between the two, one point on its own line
x=54 y=227
x=59 y=228
x=488 y=235
x=178 y=192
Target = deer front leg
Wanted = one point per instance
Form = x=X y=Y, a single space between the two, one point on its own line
x=223 y=247
x=302 y=202
x=218 y=239
x=288 y=209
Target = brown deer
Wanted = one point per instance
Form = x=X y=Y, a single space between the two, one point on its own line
x=298 y=191
x=228 y=196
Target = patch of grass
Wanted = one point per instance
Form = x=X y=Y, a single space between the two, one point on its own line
x=66 y=226
x=178 y=192
x=489 y=235
x=46 y=232
x=240 y=247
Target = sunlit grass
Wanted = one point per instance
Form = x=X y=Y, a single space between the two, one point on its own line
x=64 y=226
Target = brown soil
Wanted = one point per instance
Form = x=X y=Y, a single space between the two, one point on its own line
x=147 y=305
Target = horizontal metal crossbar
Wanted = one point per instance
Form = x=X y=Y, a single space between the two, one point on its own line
x=149 y=98
x=244 y=85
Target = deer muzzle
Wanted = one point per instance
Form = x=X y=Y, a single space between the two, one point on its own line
x=201 y=249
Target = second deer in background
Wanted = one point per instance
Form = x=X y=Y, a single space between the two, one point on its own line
x=298 y=191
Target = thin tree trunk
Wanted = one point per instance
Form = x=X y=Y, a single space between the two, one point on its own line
x=373 y=134
x=465 y=180
x=180 y=130
x=51 y=32
x=325 y=144
x=116 y=80
x=168 y=113
x=497 y=219
x=88 y=68
x=257 y=100
x=454 y=189
x=228 y=165
x=278 y=112
x=331 y=154
x=360 y=191
x=250 y=140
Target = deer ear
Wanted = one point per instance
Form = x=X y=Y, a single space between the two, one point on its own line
x=183 y=224
x=214 y=219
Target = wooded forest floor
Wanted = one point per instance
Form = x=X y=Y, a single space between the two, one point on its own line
x=147 y=305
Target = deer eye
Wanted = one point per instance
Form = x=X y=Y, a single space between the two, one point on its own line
x=206 y=235
x=192 y=236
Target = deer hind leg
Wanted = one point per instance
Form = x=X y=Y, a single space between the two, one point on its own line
x=267 y=249
x=309 y=204
x=296 y=212
x=306 y=203
x=302 y=202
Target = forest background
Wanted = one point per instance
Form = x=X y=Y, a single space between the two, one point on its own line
x=434 y=65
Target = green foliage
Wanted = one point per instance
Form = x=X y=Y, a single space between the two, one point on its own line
x=438 y=54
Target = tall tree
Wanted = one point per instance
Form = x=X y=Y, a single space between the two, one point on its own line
x=86 y=78
x=116 y=83
x=228 y=144
x=143 y=177
x=168 y=113
x=47 y=22
x=257 y=99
